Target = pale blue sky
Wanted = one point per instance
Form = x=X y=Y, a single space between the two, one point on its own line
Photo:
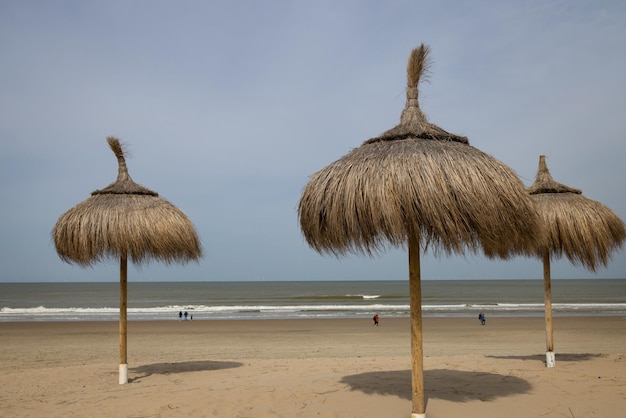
x=228 y=107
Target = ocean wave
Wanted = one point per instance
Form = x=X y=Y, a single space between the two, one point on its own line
x=340 y=297
x=301 y=311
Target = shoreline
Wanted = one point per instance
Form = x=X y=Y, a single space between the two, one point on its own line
x=198 y=316
x=313 y=368
x=96 y=301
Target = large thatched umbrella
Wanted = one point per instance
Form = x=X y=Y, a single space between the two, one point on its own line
x=421 y=185
x=583 y=230
x=125 y=220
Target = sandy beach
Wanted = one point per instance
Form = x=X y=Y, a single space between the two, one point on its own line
x=313 y=368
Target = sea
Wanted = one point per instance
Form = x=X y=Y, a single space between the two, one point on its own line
x=307 y=299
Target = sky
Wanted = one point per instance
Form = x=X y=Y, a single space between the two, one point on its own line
x=227 y=108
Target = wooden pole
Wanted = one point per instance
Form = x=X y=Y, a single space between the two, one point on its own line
x=547 y=287
x=417 y=354
x=123 y=378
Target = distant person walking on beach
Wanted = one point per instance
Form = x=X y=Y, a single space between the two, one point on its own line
x=186 y=315
x=375 y=318
x=180 y=315
x=481 y=318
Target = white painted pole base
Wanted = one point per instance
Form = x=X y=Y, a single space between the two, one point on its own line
x=550 y=360
x=123 y=374
x=414 y=415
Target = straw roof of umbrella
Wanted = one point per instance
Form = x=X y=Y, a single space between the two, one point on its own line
x=583 y=230
x=125 y=219
x=420 y=186
x=417 y=176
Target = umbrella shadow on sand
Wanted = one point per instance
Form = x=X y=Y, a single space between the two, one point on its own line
x=562 y=357
x=181 y=367
x=450 y=385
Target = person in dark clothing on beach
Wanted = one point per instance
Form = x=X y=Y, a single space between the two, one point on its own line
x=375 y=320
x=481 y=318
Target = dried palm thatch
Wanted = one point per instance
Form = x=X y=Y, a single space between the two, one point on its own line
x=125 y=220
x=454 y=195
x=417 y=176
x=420 y=185
x=583 y=230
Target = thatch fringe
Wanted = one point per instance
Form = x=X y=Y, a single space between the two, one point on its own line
x=583 y=230
x=111 y=225
x=455 y=195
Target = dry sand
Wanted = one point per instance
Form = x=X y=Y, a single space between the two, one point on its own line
x=313 y=368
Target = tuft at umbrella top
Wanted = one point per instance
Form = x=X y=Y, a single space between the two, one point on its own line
x=544 y=183
x=124 y=183
x=413 y=122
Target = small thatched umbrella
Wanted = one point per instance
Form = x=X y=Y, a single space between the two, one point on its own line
x=125 y=220
x=421 y=185
x=583 y=230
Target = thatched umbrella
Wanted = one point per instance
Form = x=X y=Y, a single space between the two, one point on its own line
x=421 y=185
x=125 y=220
x=583 y=230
